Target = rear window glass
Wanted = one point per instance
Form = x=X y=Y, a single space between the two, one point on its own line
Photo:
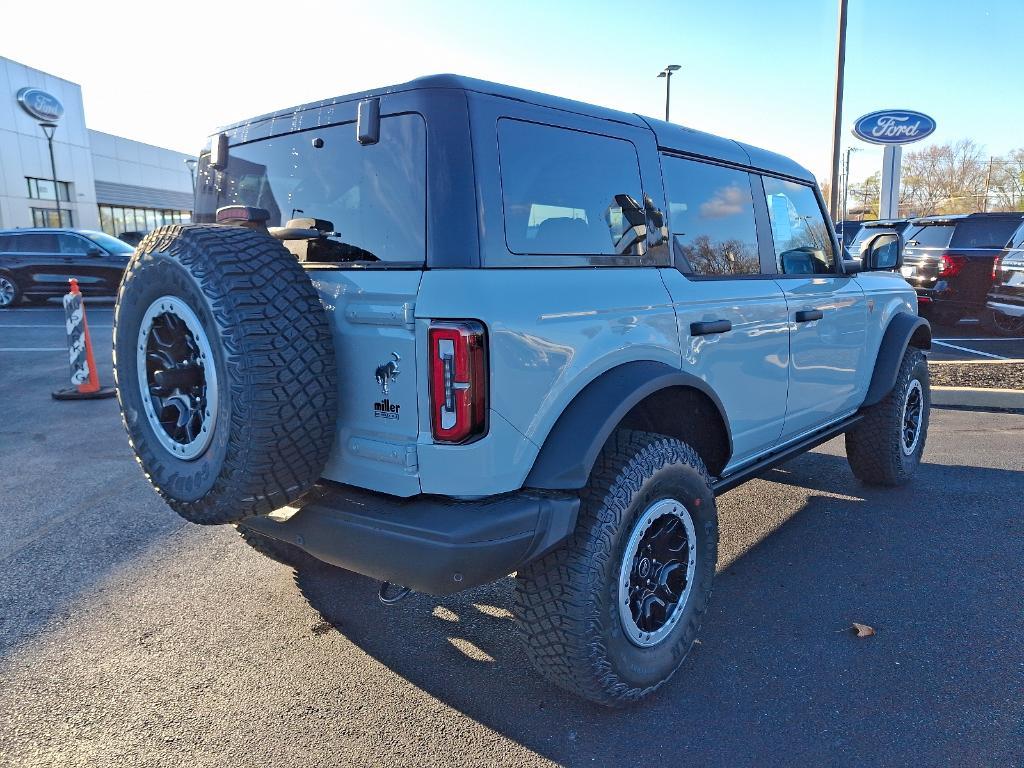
x=373 y=196
x=567 y=192
x=983 y=233
x=933 y=236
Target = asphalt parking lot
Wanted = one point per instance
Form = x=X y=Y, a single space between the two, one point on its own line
x=128 y=637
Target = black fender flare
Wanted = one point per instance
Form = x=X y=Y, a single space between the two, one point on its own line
x=574 y=442
x=903 y=331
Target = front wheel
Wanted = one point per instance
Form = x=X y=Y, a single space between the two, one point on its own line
x=885 y=447
x=612 y=613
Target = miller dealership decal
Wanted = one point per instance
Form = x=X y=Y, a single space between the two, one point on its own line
x=386 y=374
x=40 y=104
x=893 y=126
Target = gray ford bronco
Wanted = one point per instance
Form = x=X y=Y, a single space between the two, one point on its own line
x=445 y=331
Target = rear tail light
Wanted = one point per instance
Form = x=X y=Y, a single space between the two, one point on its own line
x=458 y=381
x=996 y=265
x=951 y=265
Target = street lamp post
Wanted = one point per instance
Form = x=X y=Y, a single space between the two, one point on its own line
x=191 y=163
x=846 y=179
x=48 y=129
x=837 y=110
x=667 y=74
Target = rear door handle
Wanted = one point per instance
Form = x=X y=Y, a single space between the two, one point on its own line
x=709 y=327
x=806 y=315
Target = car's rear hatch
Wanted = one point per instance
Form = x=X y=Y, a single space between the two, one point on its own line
x=364 y=203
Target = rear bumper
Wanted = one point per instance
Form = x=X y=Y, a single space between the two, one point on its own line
x=431 y=544
x=1015 y=309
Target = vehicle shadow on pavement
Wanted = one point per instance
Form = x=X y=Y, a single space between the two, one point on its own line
x=777 y=671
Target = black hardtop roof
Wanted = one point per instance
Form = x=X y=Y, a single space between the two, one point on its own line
x=669 y=135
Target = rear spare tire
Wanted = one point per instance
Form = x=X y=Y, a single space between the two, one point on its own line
x=225 y=371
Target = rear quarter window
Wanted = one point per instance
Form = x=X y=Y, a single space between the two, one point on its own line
x=931 y=236
x=566 y=192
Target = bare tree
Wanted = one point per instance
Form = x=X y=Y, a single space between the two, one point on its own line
x=1006 y=184
x=944 y=178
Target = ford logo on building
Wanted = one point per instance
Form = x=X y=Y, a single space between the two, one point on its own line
x=40 y=104
x=893 y=126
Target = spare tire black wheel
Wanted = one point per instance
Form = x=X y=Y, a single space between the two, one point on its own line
x=225 y=371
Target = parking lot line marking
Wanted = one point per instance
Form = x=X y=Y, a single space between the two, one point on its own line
x=980 y=338
x=33 y=349
x=972 y=351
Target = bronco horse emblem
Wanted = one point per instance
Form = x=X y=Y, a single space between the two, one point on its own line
x=388 y=372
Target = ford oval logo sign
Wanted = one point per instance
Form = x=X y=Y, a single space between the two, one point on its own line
x=893 y=126
x=40 y=104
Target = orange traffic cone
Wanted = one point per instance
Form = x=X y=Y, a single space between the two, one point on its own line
x=84 y=376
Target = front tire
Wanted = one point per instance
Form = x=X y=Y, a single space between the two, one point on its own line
x=612 y=613
x=225 y=371
x=885 y=447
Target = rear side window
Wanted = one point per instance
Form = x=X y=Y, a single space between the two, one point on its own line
x=566 y=192
x=933 y=236
x=36 y=243
x=983 y=233
x=711 y=217
x=802 y=238
x=371 y=198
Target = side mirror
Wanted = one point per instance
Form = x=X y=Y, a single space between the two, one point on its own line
x=95 y=251
x=882 y=252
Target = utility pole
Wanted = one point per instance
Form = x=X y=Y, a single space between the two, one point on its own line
x=837 y=110
x=48 y=129
x=667 y=74
x=988 y=183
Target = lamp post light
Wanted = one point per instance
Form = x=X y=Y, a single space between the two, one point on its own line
x=191 y=163
x=48 y=129
x=667 y=74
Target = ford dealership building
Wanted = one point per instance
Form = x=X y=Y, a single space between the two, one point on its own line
x=103 y=182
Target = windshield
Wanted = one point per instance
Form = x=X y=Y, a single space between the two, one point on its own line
x=370 y=199
x=108 y=243
x=934 y=236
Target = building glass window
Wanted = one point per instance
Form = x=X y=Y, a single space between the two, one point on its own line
x=47 y=217
x=42 y=189
x=116 y=220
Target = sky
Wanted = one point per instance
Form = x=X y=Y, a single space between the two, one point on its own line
x=757 y=71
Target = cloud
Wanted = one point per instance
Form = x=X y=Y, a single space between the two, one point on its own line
x=727 y=201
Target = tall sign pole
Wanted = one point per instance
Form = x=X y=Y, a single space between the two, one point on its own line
x=837 y=112
x=892 y=128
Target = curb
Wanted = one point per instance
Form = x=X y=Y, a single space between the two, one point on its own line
x=976 y=397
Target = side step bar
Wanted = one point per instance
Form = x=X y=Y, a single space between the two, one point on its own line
x=727 y=483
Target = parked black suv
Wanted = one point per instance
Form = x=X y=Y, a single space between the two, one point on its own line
x=37 y=263
x=948 y=260
x=1006 y=300
x=869 y=228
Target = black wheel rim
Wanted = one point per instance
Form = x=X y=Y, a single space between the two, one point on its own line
x=177 y=377
x=1006 y=324
x=657 y=571
x=913 y=413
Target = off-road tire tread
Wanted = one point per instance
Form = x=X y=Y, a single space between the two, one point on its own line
x=280 y=363
x=873 y=444
x=558 y=625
